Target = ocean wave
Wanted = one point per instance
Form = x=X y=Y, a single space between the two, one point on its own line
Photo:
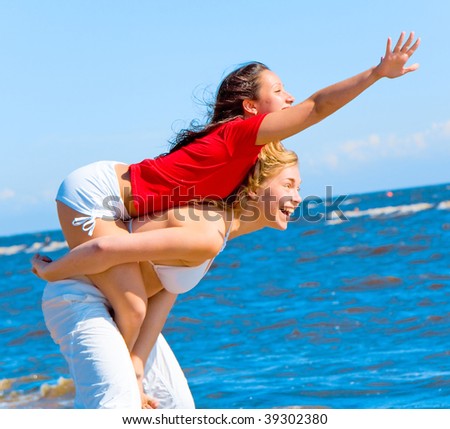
x=444 y=205
x=12 y=250
x=349 y=201
x=381 y=212
x=58 y=394
x=43 y=247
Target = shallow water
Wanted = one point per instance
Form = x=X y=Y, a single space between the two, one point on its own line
x=350 y=314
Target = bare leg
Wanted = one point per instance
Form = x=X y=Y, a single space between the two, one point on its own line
x=122 y=285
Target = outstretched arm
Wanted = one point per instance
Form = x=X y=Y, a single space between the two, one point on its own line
x=286 y=123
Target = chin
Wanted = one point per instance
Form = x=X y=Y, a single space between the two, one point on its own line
x=281 y=226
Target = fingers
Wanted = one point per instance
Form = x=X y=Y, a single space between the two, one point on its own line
x=34 y=260
x=408 y=42
x=38 y=262
x=399 y=42
x=150 y=405
x=413 y=48
x=388 y=47
x=411 y=68
x=42 y=258
x=405 y=48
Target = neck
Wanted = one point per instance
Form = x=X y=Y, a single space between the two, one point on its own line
x=244 y=223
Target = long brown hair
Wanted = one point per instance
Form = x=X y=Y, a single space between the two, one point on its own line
x=241 y=84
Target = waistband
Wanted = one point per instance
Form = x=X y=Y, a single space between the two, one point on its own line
x=79 y=287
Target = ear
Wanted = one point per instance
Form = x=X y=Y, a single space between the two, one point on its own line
x=252 y=195
x=249 y=107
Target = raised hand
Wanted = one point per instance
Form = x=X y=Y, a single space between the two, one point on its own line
x=392 y=65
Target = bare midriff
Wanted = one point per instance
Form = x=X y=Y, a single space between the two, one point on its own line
x=123 y=177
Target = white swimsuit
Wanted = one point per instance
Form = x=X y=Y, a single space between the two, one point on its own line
x=94 y=191
x=179 y=279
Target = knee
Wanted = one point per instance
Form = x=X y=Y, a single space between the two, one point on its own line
x=135 y=313
x=138 y=315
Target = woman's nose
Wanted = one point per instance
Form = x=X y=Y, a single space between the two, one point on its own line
x=289 y=98
x=297 y=199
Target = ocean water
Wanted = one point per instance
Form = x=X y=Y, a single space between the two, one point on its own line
x=336 y=314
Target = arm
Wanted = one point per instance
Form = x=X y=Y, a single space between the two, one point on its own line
x=197 y=242
x=286 y=123
x=158 y=309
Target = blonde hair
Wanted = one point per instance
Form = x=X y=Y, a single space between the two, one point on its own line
x=273 y=158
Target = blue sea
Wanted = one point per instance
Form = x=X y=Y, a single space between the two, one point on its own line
x=330 y=313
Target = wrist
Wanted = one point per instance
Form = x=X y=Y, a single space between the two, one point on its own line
x=376 y=72
x=49 y=275
x=138 y=367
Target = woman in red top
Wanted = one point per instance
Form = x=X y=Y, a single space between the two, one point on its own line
x=252 y=108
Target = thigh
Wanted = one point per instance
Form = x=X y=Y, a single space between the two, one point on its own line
x=120 y=275
x=75 y=235
x=117 y=280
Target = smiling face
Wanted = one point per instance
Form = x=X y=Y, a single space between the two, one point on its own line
x=272 y=96
x=270 y=193
x=278 y=197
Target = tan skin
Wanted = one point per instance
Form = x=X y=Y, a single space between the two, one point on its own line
x=123 y=285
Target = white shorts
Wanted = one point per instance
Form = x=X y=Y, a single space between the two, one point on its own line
x=93 y=190
x=78 y=317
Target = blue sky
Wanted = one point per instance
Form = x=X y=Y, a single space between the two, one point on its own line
x=89 y=80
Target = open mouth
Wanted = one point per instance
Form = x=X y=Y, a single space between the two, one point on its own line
x=287 y=211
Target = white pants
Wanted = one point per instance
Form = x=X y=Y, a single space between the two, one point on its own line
x=78 y=317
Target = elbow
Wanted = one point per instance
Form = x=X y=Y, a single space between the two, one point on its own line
x=101 y=251
x=100 y=246
x=322 y=108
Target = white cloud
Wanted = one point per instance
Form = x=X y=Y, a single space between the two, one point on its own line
x=441 y=129
x=332 y=160
x=6 y=194
x=430 y=142
x=360 y=150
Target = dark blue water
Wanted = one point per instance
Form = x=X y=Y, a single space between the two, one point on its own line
x=351 y=314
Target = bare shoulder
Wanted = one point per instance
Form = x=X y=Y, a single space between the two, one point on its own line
x=207 y=225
